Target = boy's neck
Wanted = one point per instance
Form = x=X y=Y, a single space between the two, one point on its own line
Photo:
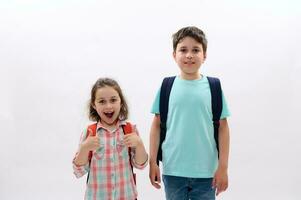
x=191 y=76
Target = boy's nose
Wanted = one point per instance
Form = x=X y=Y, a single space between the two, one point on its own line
x=189 y=55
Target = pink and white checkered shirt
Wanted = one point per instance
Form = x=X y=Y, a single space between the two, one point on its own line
x=110 y=174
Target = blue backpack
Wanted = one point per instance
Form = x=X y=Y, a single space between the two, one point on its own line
x=216 y=102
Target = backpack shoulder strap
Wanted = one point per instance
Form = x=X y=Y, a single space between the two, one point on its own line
x=128 y=128
x=163 y=108
x=91 y=130
x=216 y=97
x=91 y=127
x=164 y=97
x=216 y=103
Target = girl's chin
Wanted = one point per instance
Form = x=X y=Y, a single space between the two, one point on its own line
x=110 y=122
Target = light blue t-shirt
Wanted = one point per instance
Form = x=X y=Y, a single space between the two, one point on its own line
x=189 y=149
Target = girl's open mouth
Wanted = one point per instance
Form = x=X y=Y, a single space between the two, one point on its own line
x=109 y=114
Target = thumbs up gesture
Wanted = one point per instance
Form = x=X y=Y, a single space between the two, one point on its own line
x=132 y=140
x=92 y=142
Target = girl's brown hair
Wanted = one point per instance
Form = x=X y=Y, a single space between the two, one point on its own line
x=102 y=82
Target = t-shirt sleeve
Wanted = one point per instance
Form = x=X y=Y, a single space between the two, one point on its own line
x=225 y=111
x=155 y=108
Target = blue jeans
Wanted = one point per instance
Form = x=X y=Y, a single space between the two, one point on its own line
x=182 y=188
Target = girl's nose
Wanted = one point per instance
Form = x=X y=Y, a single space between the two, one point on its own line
x=109 y=105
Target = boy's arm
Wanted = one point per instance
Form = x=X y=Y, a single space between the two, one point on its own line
x=224 y=143
x=154 y=139
x=154 y=170
x=221 y=175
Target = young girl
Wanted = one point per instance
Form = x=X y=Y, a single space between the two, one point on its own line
x=112 y=153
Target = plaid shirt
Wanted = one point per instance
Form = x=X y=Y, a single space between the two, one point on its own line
x=110 y=174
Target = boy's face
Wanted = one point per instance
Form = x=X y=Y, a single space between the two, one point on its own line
x=189 y=55
x=107 y=104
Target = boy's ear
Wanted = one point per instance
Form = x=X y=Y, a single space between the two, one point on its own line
x=174 y=55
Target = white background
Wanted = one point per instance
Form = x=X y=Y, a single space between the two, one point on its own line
x=51 y=52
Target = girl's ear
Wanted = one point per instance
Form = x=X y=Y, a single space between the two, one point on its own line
x=93 y=106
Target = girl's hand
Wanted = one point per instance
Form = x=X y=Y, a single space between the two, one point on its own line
x=132 y=140
x=91 y=143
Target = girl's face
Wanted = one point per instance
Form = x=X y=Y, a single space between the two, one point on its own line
x=189 y=56
x=107 y=104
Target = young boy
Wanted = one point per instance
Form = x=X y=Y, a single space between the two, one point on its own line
x=192 y=166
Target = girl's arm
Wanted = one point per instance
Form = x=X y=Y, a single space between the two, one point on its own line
x=81 y=159
x=141 y=156
x=220 y=180
x=82 y=156
x=90 y=144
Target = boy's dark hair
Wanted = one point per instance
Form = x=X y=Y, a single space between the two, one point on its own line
x=102 y=82
x=189 y=31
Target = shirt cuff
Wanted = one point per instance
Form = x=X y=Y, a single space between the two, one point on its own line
x=139 y=166
x=80 y=170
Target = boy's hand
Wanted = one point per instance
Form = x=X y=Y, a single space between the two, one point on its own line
x=220 y=180
x=91 y=143
x=132 y=140
x=154 y=175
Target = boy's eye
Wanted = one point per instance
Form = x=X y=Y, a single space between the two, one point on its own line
x=183 y=50
x=196 y=50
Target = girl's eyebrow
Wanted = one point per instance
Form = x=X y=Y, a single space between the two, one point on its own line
x=103 y=98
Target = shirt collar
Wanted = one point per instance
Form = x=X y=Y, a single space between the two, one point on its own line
x=118 y=125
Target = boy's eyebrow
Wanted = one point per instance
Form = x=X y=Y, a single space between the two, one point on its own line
x=183 y=47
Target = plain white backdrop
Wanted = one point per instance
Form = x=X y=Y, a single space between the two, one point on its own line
x=51 y=52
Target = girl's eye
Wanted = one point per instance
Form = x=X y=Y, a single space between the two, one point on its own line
x=102 y=101
x=113 y=100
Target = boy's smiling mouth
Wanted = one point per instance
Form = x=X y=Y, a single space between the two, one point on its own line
x=189 y=63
